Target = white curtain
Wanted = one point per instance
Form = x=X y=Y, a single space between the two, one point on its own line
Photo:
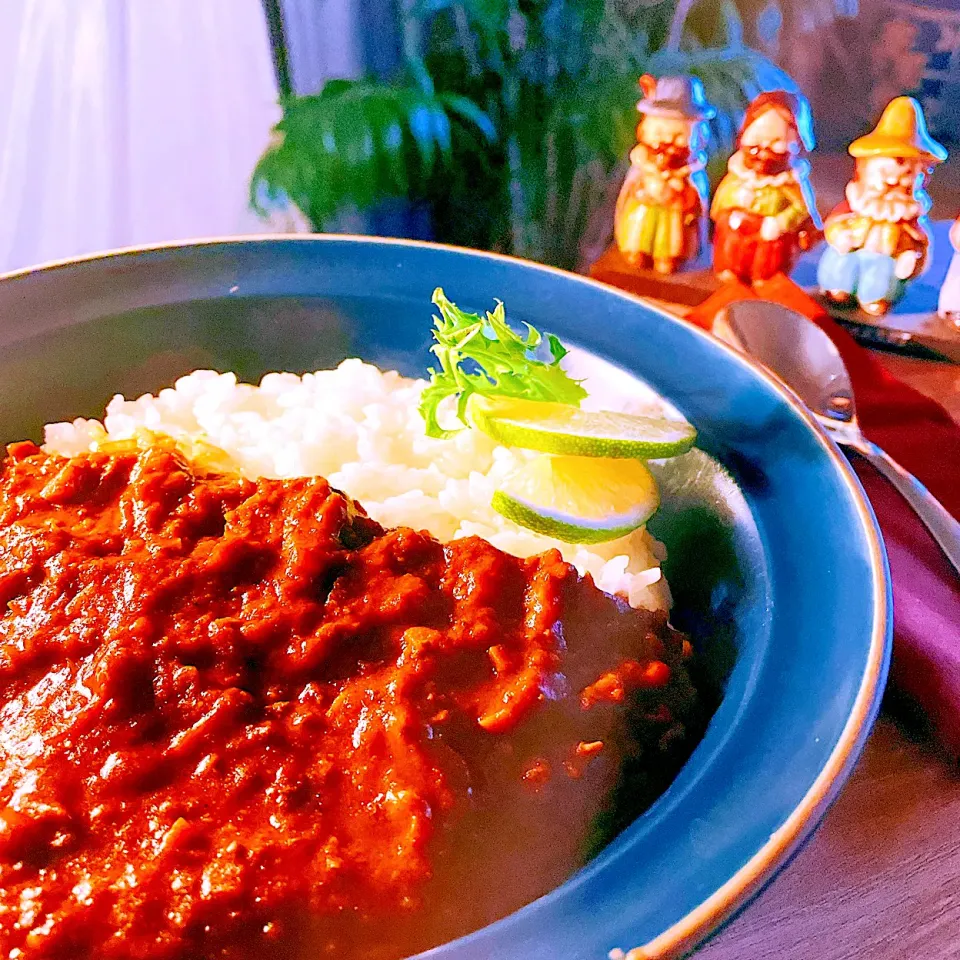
x=323 y=41
x=128 y=121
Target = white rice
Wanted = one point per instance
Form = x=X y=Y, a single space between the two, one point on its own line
x=360 y=428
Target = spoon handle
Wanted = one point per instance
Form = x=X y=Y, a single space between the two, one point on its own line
x=944 y=528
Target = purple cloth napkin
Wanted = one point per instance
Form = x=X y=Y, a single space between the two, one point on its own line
x=923 y=437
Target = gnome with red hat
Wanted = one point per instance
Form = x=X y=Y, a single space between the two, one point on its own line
x=763 y=210
x=660 y=215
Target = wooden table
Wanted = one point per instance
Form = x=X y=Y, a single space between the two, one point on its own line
x=881 y=878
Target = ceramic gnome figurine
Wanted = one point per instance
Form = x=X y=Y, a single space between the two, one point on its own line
x=949 y=306
x=879 y=237
x=764 y=210
x=660 y=215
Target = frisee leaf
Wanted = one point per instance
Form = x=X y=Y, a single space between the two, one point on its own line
x=503 y=363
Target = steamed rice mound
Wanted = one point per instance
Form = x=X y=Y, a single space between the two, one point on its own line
x=360 y=428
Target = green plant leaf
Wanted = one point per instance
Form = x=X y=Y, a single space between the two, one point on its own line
x=733 y=26
x=466 y=109
x=504 y=363
x=333 y=88
x=489 y=16
x=356 y=143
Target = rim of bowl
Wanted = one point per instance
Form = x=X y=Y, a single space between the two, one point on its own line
x=749 y=879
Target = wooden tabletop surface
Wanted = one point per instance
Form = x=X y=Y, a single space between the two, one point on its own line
x=880 y=880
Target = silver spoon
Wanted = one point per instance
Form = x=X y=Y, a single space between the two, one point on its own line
x=805 y=358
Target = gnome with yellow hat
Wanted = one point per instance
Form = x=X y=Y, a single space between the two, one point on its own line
x=879 y=237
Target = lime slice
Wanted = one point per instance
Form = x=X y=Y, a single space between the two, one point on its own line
x=579 y=499
x=561 y=428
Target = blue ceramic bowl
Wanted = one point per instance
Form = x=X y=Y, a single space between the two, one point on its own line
x=776 y=562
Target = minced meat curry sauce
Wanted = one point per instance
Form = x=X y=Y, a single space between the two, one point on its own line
x=239 y=719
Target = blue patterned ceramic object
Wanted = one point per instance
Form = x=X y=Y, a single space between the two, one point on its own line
x=776 y=559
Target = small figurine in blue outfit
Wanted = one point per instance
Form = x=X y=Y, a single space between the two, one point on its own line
x=879 y=238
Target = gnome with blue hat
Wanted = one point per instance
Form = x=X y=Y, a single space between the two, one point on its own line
x=660 y=216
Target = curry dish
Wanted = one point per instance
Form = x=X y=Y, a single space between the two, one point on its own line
x=239 y=719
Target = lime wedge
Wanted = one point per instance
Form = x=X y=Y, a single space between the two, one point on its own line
x=561 y=428
x=579 y=499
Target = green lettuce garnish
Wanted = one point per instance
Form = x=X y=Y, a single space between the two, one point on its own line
x=502 y=361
